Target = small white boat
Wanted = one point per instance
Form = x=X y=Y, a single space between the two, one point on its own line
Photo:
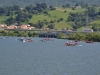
x=25 y=39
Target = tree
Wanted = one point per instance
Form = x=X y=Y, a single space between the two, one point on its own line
x=65 y=11
x=73 y=8
x=29 y=34
x=78 y=36
x=91 y=11
x=40 y=24
x=30 y=7
x=62 y=36
x=41 y=5
x=15 y=7
x=61 y=19
x=9 y=13
x=68 y=5
x=84 y=5
x=3 y=11
x=51 y=26
x=10 y=20
x=45 y=12
x=77 y=4
x=52 y=8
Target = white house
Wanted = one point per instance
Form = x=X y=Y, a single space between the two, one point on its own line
x=87 y=30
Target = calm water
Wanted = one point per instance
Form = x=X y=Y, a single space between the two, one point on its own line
x=48 y=58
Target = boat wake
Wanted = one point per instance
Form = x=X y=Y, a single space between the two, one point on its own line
x=79 y=45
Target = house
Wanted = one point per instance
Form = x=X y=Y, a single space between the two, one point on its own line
x=30 y=27
x=21 y=8
x=69 y=30
x=11 y=27
x=45 y=28
x=26 y=27
x=87 y=30
x=2 y=25
x=78 y=7
x=23 y=27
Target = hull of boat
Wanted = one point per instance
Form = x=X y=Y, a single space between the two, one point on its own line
x=25 y=40
x=74 y=44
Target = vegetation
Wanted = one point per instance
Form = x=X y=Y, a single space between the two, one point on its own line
x=52 y=17
x=44 y=15
x=62 y=36
x=67 y=3
x=18 y=33
x=94 y=36
x=78 y=36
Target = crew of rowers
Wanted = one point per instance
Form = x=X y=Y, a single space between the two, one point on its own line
x=72 y=43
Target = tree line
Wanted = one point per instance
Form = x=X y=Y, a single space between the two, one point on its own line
x=94 y=36
x=18 y=33
x=24 y=3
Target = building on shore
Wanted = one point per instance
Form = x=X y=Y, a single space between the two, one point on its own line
x=87 y=30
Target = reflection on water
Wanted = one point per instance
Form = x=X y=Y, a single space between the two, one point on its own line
x=48 y=58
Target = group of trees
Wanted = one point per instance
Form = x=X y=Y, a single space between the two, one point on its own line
x=83 y=19
x=23 y=15
x=89 y=36
x=77 y=19
x=94 y=36
x=82 y=4
x=18 y=33
x=81 y=36
x=24 y=3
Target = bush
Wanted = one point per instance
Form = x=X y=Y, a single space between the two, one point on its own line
x=61 y=36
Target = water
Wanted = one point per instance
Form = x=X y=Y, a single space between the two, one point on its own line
x=48 y=58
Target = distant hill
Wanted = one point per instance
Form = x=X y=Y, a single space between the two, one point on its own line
x=24 y=3
x=40 y=15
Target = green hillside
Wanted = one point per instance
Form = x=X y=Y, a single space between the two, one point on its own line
x=97 y=22
x=60 y=17
x=55 y=15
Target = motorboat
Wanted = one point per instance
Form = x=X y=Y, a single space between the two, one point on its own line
x=25 y=39
x=47 y=39
x=71 y=44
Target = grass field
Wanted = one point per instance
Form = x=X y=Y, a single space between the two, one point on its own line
x=97 y=22
x=55 y=15
x=3 y=18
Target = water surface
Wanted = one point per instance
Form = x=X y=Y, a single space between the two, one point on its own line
x=48 y=58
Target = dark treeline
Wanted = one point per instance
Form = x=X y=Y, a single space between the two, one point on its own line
x=18 y=33
x=24 y=3
x=94 y=36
